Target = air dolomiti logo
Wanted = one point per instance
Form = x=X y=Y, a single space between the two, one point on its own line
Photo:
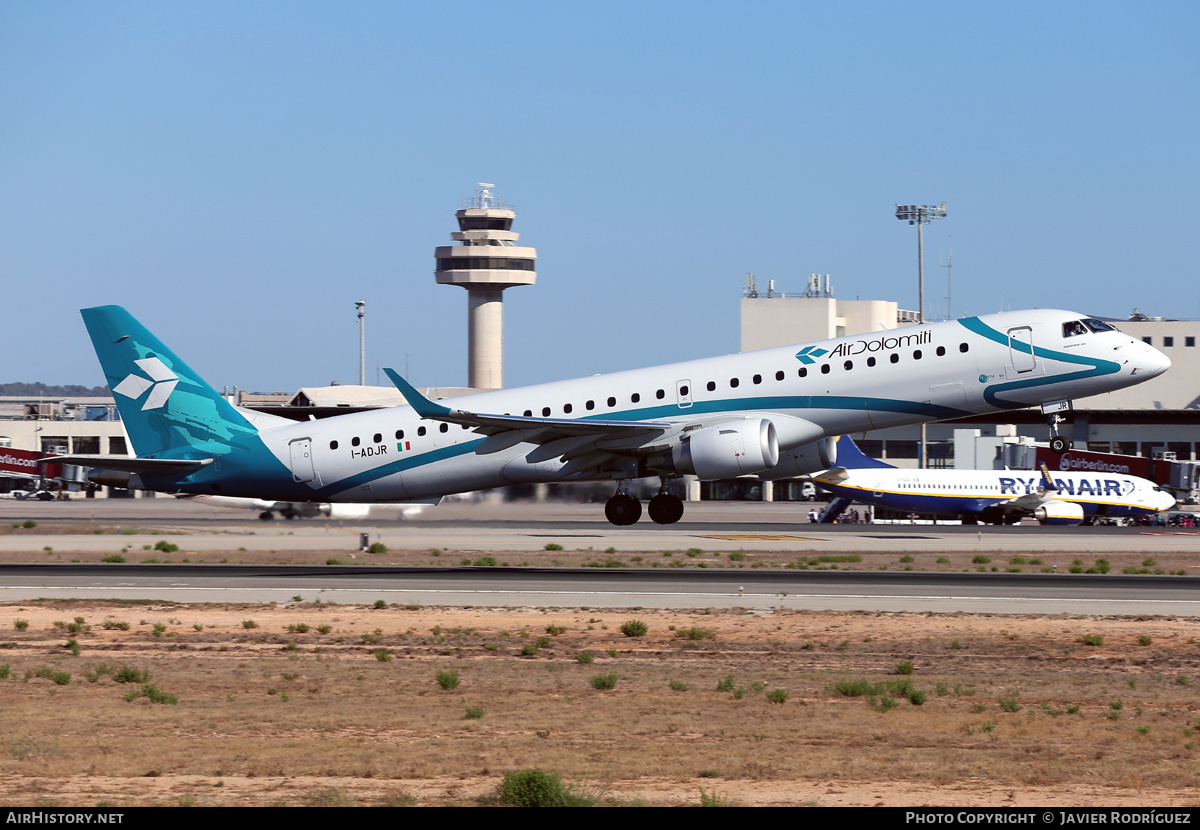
x=161 y=383
x=808 y=353
x=882 y=344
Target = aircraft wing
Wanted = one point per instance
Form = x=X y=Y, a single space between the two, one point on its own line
x=127 y=464
x=589 y=443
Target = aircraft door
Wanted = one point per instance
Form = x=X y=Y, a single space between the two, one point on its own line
x=1020 y=349
x=301 y=457
x=683 y=393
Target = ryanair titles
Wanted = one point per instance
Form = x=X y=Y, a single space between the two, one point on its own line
x=889 y=344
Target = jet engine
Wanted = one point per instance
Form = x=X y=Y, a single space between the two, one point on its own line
x=1059 y=513
x=811 y=458
x=728 y=450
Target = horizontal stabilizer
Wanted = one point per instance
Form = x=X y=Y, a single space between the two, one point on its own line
x=126 y=464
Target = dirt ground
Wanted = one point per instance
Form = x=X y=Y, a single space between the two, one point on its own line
x=310 y=704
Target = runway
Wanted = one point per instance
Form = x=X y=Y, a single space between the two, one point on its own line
x=529 y=527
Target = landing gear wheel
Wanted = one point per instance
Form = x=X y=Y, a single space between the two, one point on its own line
x=1058 y=445
x=623 y=509
x=666 y=509
x=266 y=516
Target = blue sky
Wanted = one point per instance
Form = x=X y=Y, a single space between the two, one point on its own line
x=238 y=174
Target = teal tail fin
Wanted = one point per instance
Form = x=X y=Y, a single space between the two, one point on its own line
x=167 y=408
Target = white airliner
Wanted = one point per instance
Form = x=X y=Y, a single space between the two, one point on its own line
x=267 y=508
x=995 y=496
x=775 y=413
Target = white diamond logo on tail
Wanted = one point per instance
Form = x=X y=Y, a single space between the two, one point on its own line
x=161 y=384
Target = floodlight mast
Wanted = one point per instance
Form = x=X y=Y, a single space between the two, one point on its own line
x=920 y=215
x=362 y=342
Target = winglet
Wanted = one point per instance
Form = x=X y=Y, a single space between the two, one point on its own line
x=1047 y=482
x=423 y=406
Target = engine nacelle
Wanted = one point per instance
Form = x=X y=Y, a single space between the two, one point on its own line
x=728 y=450
x=1059 y=513
x=811 y=458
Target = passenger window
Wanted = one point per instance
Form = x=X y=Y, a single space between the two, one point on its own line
x=443 y=427
x=870 y=361
x=590 y=405
x=528 y=413
x=711 y=386
x=917 y=354
x=545 y=412
x=567 y=408
x=849 y=365
x=683 y=391
x=612 y=401
x=733 y=383
x=635 y=397
x=779 y=375
x=895 y=358
x=333 y=445
x=757 y=378
x=378 y=438
x=962 y=347
x=354 y=441
x=399 y=434
x=420 y=431
x=803 y=372
x=660 y=394
x=824 y=368
x=941 y=351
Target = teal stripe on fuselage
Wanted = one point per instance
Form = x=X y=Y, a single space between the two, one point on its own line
x=1098 y=367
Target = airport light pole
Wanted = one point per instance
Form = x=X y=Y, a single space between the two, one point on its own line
x=921 y=215
x=362 y=342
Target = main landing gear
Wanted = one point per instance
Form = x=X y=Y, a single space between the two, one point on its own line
x=1054 y=417
x=624 y=509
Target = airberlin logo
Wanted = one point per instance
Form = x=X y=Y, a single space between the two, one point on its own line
x=807 y=354
x=881 y=344
x=161 y=383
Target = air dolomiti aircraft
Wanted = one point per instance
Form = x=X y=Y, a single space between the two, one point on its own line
x=774 y=413
x=996 y=496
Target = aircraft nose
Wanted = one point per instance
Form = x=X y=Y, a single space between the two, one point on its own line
x=1152 y=362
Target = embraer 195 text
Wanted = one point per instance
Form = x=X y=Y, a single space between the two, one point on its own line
x=774 y=413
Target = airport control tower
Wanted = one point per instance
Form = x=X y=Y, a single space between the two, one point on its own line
x=485 y=262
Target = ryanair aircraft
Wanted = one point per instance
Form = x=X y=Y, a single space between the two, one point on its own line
x=995 y=496
x=774 y=413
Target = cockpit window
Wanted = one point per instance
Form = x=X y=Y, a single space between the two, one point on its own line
x=1097 y=325
x=1074 y=328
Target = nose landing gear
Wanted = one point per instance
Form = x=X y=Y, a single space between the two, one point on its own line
x=1053 y=412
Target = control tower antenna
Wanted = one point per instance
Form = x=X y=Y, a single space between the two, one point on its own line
x=486 y=262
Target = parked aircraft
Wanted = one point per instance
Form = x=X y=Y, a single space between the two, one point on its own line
x=774 y=413
x=267 y=508
x=995 y=496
